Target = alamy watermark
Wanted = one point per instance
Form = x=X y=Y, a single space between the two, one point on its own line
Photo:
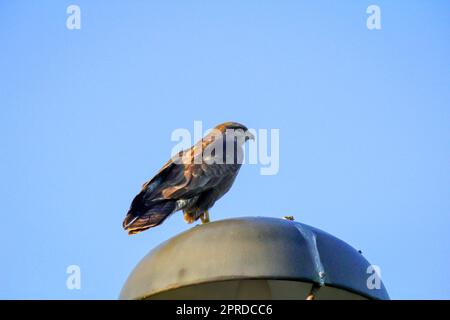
x=222 y=150
x=73 y=281
x=73 y=21
x=374 y=278
x=373 y=22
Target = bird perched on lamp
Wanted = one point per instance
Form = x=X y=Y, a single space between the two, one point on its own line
x=191 y=181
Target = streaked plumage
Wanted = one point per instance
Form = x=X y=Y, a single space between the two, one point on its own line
x=192 y=187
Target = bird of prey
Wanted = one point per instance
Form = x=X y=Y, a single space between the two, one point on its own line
x=191 y=181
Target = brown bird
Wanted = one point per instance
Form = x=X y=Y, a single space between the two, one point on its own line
x=192 y=181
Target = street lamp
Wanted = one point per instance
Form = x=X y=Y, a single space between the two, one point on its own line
x=253 y=258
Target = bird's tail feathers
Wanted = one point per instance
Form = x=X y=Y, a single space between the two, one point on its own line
x=141 y=218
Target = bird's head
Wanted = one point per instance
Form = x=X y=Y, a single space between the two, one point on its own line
x=238 y=129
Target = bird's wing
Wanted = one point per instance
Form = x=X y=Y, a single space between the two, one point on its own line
x=185 y=180
x=171 y=174
x=199 y=178
x=176 y=180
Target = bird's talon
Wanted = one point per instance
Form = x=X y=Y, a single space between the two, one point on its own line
x=205 y=217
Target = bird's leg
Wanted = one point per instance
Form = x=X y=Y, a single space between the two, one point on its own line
x=205 y=217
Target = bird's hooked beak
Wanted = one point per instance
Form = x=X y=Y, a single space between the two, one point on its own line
x=249 y=136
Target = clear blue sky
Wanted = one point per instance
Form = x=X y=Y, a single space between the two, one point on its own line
x=86 y=118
